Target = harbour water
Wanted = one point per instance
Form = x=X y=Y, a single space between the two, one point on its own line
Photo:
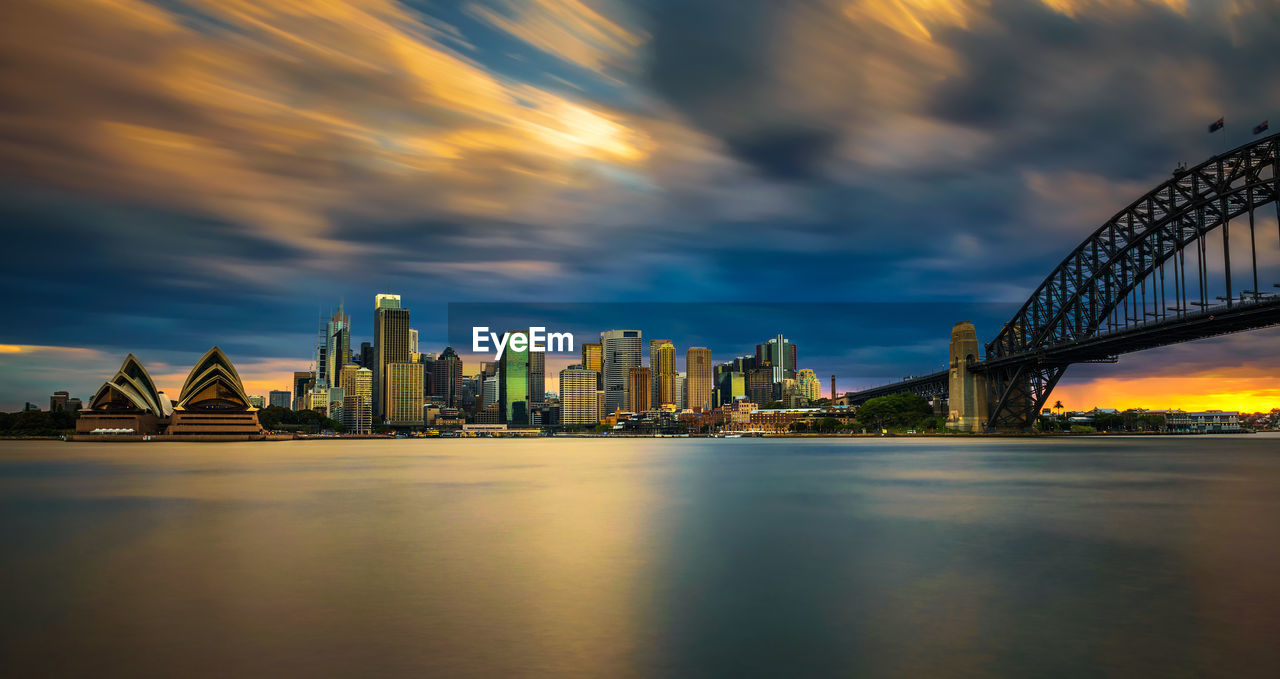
x=1124 y=556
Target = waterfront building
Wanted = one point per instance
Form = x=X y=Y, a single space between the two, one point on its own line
x=579 y=402
x=213 y=402
x=622 y=351
x=127 y=401
x=1202 y=422
x=404 y=394
x=699 y=384
x=390 y=345
x=639 y=385
x=280 y=398
x=760 y=384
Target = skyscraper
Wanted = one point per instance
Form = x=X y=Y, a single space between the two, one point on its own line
x=592 y=356
x=780 y=354
x=537 y=378
x=513 y=383
x=622 y=351
x=639 y=386
x=446 y=377
x=390 y=345
x=662 y=368
x=337 y=346
x=404 y=394
x=413 y=341
x=578 y=400
x=698 y=387
x=357 y=401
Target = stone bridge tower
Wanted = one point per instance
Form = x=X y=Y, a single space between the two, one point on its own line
x=967 y=390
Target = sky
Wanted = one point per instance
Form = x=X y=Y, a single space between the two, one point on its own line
x=181 y=173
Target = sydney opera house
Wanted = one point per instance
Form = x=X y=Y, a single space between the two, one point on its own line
x=211 y=406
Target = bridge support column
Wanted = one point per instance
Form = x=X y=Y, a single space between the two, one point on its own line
x=967 y=395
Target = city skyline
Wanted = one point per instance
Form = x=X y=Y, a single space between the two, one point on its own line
x=227 y=172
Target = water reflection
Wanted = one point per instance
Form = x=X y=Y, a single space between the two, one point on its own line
x=642 y=558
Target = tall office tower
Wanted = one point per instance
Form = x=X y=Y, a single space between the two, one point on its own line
x=390 y=345
x=833 y=390
x=404 y=394
x=662 y=371
x=780 y=354
x=760 y=385
x=413 y=341
x=639 y=385
x=446 y=377
x=58 y=401
x=592 y=356
x=357 y=401
x=621 y=353
x=513 y=384
x=258 y=401
x=428 y=362
x=302 y=383
x=809 y=385
x=681 y=400
x=337 y=346
x=488 y=391
x=698 y=384
x=366 y=355
x=578 y=396
x=537 y=378
x=280 y=398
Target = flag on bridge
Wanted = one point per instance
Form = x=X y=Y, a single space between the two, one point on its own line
x=1217 y=125
x=1261 y=127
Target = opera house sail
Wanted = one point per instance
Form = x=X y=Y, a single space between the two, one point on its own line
x=212 y=405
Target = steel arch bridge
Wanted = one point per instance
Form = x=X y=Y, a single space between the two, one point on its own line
x=1145 y=278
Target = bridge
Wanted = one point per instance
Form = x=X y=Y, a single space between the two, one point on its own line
x=1151 y=276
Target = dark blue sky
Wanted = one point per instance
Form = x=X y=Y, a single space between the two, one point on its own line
x=177 y=174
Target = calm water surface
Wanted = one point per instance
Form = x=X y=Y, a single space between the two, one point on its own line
x=602 y=558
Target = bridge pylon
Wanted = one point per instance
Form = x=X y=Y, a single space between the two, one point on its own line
x=967 y=394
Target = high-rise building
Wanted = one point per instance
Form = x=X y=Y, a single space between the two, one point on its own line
x=760 y=385
x=579 y=402
x=592 y=356
x=58 y=401
x=404 y=394
x=357 y=401
x=513 y=383
x=622 y=351
x=809 y=385
x=390 y=345
x=366 y=355
x=681 y=382
x=537 y=378
x=413 y=341
x=780 y=355
x=280 y=398
x=302 y=384
x=258 y=402
x=446 y=377
x=639 y=386
x=337 y=346
x=489 y=391
x=662 y=372
x=699 y=384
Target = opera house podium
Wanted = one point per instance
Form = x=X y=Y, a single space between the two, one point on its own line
x=212 y=406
